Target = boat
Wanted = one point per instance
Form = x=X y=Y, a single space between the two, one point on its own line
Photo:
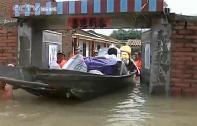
x=63 y=83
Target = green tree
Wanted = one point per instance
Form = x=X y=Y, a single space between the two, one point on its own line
x=122 y=34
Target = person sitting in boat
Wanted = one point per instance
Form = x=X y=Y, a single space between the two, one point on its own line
x=125 y=54
x=76 y=62
x=112 y=54
x=107 y=64
x=126 y=58
x=61 y=59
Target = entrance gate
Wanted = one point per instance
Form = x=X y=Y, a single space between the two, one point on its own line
x=63 y=16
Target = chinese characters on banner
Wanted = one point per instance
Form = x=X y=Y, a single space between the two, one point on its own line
x=89 y=22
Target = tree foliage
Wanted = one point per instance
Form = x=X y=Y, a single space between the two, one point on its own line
x=122 y=34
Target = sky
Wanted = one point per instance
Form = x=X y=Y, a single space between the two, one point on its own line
x=185 y=7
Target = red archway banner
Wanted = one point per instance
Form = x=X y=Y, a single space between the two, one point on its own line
x=83 y=22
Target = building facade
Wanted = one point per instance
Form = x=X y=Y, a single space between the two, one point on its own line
x=89 y=42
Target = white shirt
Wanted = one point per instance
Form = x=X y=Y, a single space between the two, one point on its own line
x=112 y=57
x=54 y=65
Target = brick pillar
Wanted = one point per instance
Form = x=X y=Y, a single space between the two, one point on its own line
x=8 y=45
x=184 y=57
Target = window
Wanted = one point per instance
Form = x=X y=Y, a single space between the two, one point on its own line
x=98 y=47
x=84 y=49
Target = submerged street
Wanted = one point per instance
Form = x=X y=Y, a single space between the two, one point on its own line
x=128 y=107
x=85 y=48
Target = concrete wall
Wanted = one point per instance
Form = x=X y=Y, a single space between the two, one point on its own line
x=33 y=33
x=146 y=39
x=184 y=56
x=24 y=44
x=36 y=43
x=160 y=56
x=32 y=29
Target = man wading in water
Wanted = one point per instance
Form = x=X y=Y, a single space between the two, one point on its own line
x=6 y=91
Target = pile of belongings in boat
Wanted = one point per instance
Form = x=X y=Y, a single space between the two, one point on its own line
x=96 y=65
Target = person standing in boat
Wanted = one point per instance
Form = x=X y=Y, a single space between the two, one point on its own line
x=138 y=63
x=61 y=59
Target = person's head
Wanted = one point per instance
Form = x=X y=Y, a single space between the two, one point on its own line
x=138 y=55
x=60 y=56
x=112 y=51
x=125 y=55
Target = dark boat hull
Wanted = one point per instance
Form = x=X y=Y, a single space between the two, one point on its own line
x=67 y=84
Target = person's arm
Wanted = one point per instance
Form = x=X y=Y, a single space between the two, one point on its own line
x=8 y=91
x=135 y=66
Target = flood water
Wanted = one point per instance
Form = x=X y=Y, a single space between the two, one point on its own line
x=128 y=107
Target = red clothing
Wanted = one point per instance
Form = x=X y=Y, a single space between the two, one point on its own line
x=63 y=62
x=138 y=64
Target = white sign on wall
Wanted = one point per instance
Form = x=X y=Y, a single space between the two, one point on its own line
x=147 y=56
x=53 y=53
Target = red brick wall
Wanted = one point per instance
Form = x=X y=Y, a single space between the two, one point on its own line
x=8 y=45
x=6 y=8
x=184 y=58
x=8 y=35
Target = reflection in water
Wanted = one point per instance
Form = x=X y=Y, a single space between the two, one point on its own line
x=129 y=107
x=130 y=110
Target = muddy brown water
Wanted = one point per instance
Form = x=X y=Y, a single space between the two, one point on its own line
x=128 y=107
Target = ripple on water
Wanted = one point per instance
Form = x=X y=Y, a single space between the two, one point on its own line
x=129 y=111
x=4 y=114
